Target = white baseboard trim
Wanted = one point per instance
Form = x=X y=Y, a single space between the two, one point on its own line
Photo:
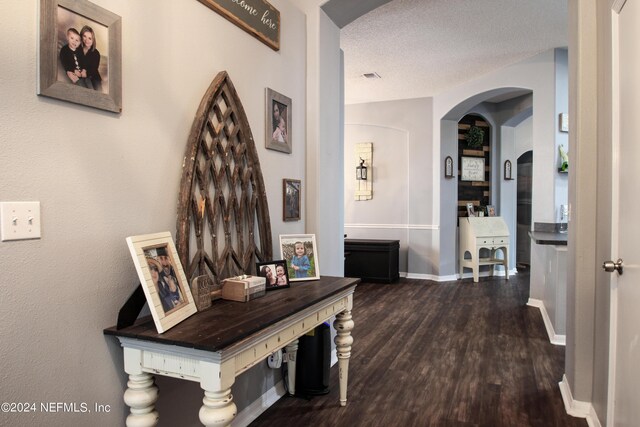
x=453 y=277
x=258 y=406
x=553 y=337
x=431 y=277
x=577 y=408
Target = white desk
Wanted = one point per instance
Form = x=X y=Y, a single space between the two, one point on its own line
x=214 y=346
x=478 y=233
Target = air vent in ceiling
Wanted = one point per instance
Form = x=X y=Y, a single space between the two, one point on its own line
x=371 y=76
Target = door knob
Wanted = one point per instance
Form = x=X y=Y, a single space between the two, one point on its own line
x=610 y=266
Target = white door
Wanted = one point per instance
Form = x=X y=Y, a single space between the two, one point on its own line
x=625 y=388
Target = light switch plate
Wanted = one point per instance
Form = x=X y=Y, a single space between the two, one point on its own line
x=19 y=220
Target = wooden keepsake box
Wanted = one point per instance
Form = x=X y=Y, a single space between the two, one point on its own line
x=243 y=288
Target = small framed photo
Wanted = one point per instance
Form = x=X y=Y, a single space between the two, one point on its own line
x=290 y=199
x=491 y=210
x=448 y=167
x=278 y=122
x=162 y=277
x=470 y=209
x=80 y=54
x=301 y=254
x=507 y=170
x=276 y=274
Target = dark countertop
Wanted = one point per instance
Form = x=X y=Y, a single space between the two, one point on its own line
x=549 y=238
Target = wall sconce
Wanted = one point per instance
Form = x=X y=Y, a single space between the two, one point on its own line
x=361 y=171
x=364 y=175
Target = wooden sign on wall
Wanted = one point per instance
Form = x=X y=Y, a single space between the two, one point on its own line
x=257 y=17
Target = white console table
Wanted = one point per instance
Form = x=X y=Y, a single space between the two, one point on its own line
x=478 y=233
x=214 y=346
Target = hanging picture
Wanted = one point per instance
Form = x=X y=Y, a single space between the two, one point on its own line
x=448 y=167
x=507 y=170
x=162 y=278
x=472 y=168
x=301 y=255
x=278 y=122
x=257 y=17
x=290 y=199
x=80 y=54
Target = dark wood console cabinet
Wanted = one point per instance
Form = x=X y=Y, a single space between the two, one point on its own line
x=372 y=260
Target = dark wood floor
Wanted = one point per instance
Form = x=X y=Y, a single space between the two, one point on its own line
x=442 y=354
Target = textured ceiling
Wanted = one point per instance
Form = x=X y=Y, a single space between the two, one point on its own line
x=422 y=47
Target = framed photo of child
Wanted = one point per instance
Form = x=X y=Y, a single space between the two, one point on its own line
x=301 y=254
x=162 y=278
x=80 y=55
x=278 y=121
x=276 y=274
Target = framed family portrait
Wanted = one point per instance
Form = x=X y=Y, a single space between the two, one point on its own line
x=276 y=274
x=290 y=199
x=301 y=255
x=162 y=278
x=278 y=122
x=80 y=54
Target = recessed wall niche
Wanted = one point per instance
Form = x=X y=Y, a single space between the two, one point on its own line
x=475 y=186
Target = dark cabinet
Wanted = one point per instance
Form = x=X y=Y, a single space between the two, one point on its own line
x=372 y=260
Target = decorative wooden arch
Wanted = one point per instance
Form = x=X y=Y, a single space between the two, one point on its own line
x=223 y=222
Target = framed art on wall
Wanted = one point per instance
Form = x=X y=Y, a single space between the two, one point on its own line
x=278 y=122
x=507 y=170
x=162 y=278
x=301 y=255
x=472 y=168
x=80 y=54
x=290 y=199
x=448 y=167
x=276 y=274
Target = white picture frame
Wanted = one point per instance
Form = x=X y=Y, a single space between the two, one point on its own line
x=289 y=244
x=472 y=169
x=162 y=278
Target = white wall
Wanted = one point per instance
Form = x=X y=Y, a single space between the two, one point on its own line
x=400 y=132
x=101 y=177
x=389 y=173
x=432 y=135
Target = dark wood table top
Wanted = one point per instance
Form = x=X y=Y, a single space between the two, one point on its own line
x=227 y=322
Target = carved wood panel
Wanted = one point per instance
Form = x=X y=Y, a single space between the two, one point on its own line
x=223 y=223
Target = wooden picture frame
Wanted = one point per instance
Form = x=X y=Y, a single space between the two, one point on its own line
x=162 y=278
x=276 y=274
x=300 y=269
x=278 y=122
x=448 y=167
x=100 y=85
x=257 y=17
x=472 y=169
x=291 y=189
x=507 y=170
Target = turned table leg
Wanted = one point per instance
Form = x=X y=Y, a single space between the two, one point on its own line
x=218 y=409
x=291 y=351
x=140 y=396
x=344 y=326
